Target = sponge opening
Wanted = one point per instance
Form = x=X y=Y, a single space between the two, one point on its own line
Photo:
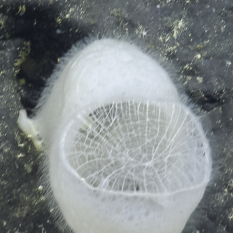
x=137 y=147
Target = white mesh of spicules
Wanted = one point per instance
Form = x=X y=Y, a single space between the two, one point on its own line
x=135 y=146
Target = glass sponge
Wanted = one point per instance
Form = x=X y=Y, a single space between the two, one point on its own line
x=126 y=155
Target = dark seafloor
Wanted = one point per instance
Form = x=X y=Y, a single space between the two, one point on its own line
x=195 y=37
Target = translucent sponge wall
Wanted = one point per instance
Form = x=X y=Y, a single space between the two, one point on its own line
x=125 y=155
x=104 y=70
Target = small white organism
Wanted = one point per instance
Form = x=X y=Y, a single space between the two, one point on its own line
x=125 y=155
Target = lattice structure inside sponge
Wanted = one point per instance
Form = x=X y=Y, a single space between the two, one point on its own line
x=137 y=147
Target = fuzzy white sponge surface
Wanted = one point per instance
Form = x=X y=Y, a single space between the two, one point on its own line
x=125 y=155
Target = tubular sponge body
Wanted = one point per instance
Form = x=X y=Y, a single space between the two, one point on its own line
x=125 y=154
